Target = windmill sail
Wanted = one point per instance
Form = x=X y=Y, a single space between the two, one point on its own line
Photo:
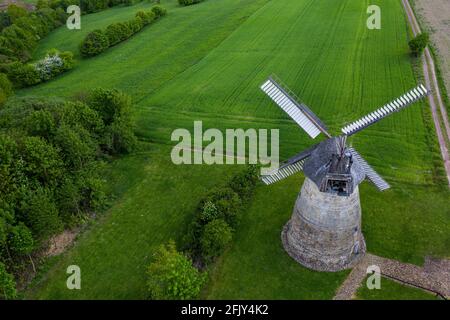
x=407 y=99
x=300 y=113
x=371 y=174
x=289 y=168
x=283 y=172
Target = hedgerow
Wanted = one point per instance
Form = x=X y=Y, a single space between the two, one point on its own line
x=98 y=41
x=207 y=237
x=27 y=74
x=225 y=204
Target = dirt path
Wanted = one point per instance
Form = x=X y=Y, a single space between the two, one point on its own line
x=434 y=276
x=432 y=83
x=60 y=242
x=436 y=15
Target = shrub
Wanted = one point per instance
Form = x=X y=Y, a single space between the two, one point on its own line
x=16 y=12
x=40 y=214
x=147 y=17
x=7 y=284
x=23 y=75
x=135 y=25
x=209 y=212
x=67 y=58
x=217 y=235
x=43 y=161
x=5 y=20
x=188 y=2
x=172 y=276
x=95 y=43
x=20 y=240
x=159 y=11
x=244 y=182
x=419 y=43
x=120 y=136
x=227 y=203
x=49 y=67
x=40 y=123
x=79 y=148
x=6 y=88
x=116 y=32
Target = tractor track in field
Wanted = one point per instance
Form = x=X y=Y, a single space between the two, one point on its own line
x=432 y=83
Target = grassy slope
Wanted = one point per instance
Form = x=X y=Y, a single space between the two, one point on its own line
x=391 y=290
x=178 y=72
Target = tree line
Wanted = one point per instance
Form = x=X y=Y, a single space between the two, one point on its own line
x=51 y=155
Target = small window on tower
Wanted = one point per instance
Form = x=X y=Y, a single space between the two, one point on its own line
x=338 y=187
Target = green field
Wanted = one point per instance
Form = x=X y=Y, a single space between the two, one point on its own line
x=391 y=290
x=206 y=62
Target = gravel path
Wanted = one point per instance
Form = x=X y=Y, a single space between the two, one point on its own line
x=431 y=82
x=434 y=276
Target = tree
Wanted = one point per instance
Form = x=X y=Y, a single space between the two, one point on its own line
x=7 y=284
x=40 y=123
x=171 y=275
x=217 y=235
x=111 y=104
x=114 y=107
x=419 y=43
x=21 y=242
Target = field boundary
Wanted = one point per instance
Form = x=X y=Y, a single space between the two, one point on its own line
x=429 y=71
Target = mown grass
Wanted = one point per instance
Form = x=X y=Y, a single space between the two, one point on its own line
x=206 y=62
x=392 y=290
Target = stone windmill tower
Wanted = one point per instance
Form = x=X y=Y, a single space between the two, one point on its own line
x=324 y=232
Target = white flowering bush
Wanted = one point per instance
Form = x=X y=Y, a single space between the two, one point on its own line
x=49 y=66
x=53 y=64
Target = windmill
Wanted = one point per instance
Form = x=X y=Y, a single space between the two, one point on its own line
x=324 y=232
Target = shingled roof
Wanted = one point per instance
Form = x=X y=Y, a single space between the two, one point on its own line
x=316 y=166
